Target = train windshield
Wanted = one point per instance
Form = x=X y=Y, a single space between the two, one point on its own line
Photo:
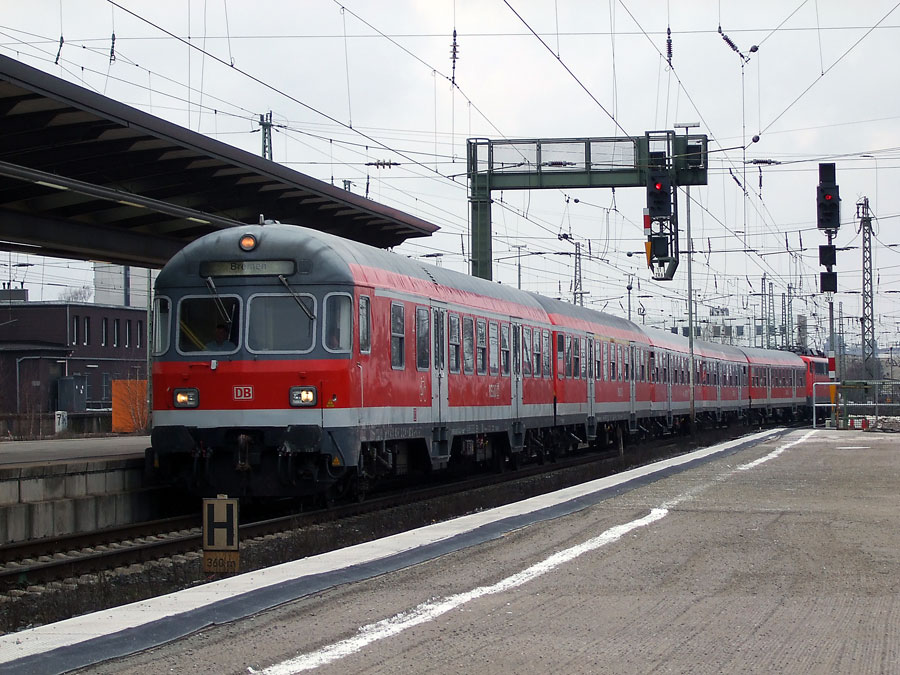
x=210 y=324
x=278 y=324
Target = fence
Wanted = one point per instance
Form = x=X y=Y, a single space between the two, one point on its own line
x=858 y=404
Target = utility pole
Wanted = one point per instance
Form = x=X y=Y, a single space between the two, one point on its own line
x=690 y=280
x=519 y=248
x=265 y=123
x=628 y=288
x=868 y=314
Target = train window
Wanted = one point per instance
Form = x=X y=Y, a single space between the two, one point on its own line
x=526 y=350
x=454 y=343
x=517 y=348
x=423 y=338
x=548 y=355
x=162 y=315
x=365 y=324
x=568 y=356
x=538 y=359
x=208 y=323
x=590 y=359
x=468 y=345
x=598 y=355
x=583 y=342
x=576 y=357
x=277 y=324
x=494 y=348
x=504 y=349
x=398 y=336
x=481 y=346
x=438 y=338
x=338 y=323
x=560 y=355
x=612 y=362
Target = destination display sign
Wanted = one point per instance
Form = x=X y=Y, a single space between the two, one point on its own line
x=246 y=268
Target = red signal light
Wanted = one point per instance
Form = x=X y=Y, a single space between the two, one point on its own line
x=827 y=196
x=658 y=186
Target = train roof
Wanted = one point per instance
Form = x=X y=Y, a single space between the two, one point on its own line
x=772 y=357
x=567 y=315
x=324 y=258
x=702 y=349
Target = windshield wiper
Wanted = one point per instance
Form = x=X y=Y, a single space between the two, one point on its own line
x=219 y=304
x=309 y=314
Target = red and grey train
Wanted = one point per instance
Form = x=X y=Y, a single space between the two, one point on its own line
x=290 y=362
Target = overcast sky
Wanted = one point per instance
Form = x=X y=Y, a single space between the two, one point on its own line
x=354 y=83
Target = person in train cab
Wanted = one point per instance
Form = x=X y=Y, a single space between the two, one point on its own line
x=220 y=343
x=333 y=336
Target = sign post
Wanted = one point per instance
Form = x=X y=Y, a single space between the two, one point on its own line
x=221 y=554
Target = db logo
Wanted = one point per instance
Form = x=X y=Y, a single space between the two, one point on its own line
x=243 y=393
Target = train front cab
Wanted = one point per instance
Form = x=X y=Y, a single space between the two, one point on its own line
x=248 y=370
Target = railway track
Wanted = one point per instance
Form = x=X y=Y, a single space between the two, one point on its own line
x=32 y=569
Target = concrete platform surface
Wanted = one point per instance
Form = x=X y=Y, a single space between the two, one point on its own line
x=781 y=557
x=24 y=453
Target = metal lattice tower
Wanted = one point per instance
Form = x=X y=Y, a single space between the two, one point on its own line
x=577 y=292
x=868 y=295
x=784 y=333
x=791 y=338
x=770 y=321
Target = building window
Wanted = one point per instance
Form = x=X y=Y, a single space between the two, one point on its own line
x=87 y=331
x=140 y=333
x=398 y=336
x=115 y=332
x=76 y=320
x=107 y=387
x=104 y=331
x=128 y=333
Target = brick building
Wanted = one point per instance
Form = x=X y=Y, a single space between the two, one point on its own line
x=65 y=355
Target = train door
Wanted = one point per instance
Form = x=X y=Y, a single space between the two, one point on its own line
x=630 y=368
x=516 y=383
x=365 y=363
x=667 y=377
x=440 y=440
x=719 y=370
x=439 y=363
x=591 y=404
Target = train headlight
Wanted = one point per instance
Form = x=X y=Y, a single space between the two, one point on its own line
x=303 y=397
x=248 y=242
x=187 y=398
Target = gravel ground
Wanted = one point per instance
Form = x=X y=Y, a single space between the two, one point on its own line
x=790 y=566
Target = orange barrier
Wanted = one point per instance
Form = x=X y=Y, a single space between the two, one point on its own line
x=129 y=406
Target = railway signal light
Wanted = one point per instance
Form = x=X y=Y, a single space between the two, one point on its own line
x=659 y=194
x=828 y=282
x=828 y=207
x=827 y=255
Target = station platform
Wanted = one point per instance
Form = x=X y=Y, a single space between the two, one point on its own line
x=779 y=552
x=54 y=487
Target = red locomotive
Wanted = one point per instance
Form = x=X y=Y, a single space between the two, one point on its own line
x=290 y=362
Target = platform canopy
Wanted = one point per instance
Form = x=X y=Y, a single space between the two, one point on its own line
x=83 y=176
